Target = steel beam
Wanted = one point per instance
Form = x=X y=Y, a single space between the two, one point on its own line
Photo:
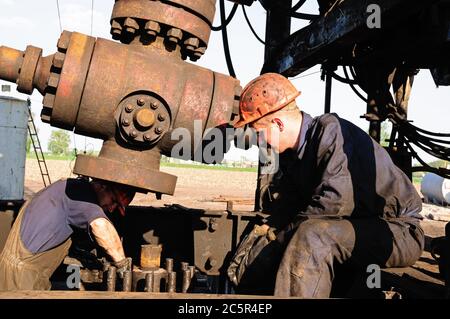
x=340 y=29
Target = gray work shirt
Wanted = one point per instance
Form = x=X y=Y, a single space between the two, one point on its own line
x=51 y=214
x=339 y=170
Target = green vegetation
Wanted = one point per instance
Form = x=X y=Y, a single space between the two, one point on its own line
x=417 y=177
x=215 y=167
x=59 y=142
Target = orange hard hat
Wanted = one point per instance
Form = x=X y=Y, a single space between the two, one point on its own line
x=266 y=94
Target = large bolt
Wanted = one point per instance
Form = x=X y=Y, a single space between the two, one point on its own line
x=58 y=60
x=144 y=118
x=116 y=29
x=147 y=137
x=111 y=279
x=174 y=35
x=154 y=106
x=133 y=134
x=158 y=130
x=192 y=271
x=46 y=114
x=186 y=282
x=192 y=44
x=152 y=28
x=169 y=265
x=127 y=281
x=126 y=122
x=199 y=52
x=129 y=108
x=131 y=26
x=184 y=265
x=63 y=42
x=161 y=117
x=171 y=281
x=53 y=80
x=149 y=281
x=48 y=101
x=141 y=102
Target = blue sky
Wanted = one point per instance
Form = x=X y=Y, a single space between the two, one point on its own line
x=24 y=22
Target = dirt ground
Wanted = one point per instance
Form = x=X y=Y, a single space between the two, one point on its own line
x=202 y=188
x=196 y=188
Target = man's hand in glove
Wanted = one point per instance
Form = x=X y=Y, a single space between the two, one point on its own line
x=122 y=266
x=240 y=259
x=265 y=230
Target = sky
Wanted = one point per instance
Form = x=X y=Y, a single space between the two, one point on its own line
x=31 y=22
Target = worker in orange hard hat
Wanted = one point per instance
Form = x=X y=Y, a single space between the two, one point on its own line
x=344 y=200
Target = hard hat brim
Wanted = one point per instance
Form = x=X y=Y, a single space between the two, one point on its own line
x=250 y=120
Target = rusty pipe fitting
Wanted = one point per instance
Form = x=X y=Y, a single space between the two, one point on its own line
x=149 y=281
x=10 y=62
x=111 y=279
x=171 y=282
x=169 y=265
x=27 y=69
x=186 y=282
x=150 y=256
x=131 y=98
x=127 y=281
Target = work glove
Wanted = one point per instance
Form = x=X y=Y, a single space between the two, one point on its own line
x=122 y=266
x=241 y=260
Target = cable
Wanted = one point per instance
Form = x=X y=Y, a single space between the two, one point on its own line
x=298 y=5
x=347 y=77
x=342 y=79
x=251 y=27
x=304 y=16
x=305 y=75
x=59 y=16
x=228 y=20
x=226 y=46
x=92 y=16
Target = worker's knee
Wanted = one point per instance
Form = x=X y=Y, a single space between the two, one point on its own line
x=315 y=233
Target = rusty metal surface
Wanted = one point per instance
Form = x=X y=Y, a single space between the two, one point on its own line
x=127 y=13
x=206 y=8
x=150 y=256
x=73 y=66
x=131 y=96
x=204 y=239
x=10 y=62
x=339 y=28
x=28 y=69
x=123 y=173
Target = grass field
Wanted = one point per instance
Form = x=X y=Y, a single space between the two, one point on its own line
x=71 y=157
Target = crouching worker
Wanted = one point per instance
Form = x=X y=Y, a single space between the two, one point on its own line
x=41 y=235
x=348 y=203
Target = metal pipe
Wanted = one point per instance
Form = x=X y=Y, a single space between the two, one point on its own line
x=169 y=265
x=111 y=279
x=149 y=281
x=184 y=266
x=186 y=283
x=329 y=81
x=127 y=281
x=10 y=62
x=192 y=271
x=171 y=281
